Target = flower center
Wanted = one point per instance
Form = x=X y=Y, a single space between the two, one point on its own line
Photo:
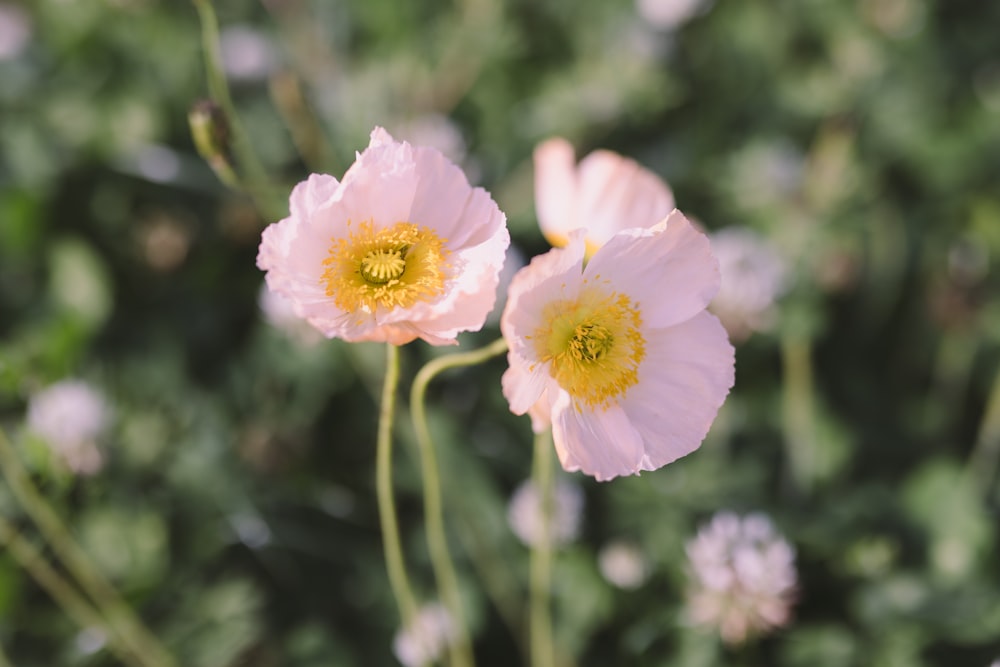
x=593 y=344
x=395 y=267
x=380 y=266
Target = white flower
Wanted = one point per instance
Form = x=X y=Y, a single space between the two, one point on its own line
x=669 y=14
x=623 y=564
x=426 y=638
x=524 y=513
x=743 y=577
x=69 y=416
x=754 y=275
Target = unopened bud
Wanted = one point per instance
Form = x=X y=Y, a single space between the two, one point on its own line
x=210 y=133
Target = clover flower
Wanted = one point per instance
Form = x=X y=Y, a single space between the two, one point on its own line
x=70 y=415
x=427 y=636
x=743 y=577
x=402 y=248
x=619 y=357
x=754 y=275
x=524 y=513
x=604 y=194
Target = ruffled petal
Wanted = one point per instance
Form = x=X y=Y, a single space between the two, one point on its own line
x=687 y=373
x=524 y=385
x=316 y=191
x=600 y=443
x=667 y=269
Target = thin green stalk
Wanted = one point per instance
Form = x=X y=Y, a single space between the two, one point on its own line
x=75 y=605
x=982 y=465
x=542 y=644
x=799 y=410
x=398 y=580
x=256 y=183
x=460 y=651
x=105 y=597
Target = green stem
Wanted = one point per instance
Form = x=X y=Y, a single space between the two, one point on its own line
x=542 y=645
x=799 y=410
x=398 y=580
x=256 y=184
x=105 y=597
x=982 y=465
x=71 y=602
x=460 y=651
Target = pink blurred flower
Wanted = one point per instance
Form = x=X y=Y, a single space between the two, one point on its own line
x=754 y=276
x=402 y=248
x=70 y=415
x=424 y=640
x=743 y=577
x=524 y=513
x=623 y=564
x=604 y=194
x=619 y=357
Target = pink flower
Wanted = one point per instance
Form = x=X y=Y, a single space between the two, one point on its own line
x=402 y=248
x=604 y=194
x=620 y=357
x=70 y=416
x=743 y=577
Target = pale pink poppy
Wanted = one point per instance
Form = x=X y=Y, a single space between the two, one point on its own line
x=619 y=357
x=402 y=248
x=604 y=194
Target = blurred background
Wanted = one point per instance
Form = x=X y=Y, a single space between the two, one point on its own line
x=845 y=156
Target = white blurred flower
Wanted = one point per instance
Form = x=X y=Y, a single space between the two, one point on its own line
x=670 y=14
x=743 y=577
x=426 y=638
x=280 y=314
x=15 y=31
x=524 y=513
x=247 y=55
x=69 y=415
x=436 y=131
x=754 y=275
x=623 y=564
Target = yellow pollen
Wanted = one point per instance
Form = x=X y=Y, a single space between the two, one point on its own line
x=395 y=267
x=593 y=344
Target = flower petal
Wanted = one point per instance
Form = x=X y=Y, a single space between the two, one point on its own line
x=618 y=193
x=687 y=373
x=553 y=276
x=600 y=443
x=312 y=193
x=555 y=189
x=667 y=269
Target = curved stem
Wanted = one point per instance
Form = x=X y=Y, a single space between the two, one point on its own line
x=75 y=605
x=542 y=644
x=401 y=590
x=799 y=410
x=256 y=182
x=444 y=569
x=104 y=595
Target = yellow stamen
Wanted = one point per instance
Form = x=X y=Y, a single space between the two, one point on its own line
x=395 y=267
x=593 y=344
